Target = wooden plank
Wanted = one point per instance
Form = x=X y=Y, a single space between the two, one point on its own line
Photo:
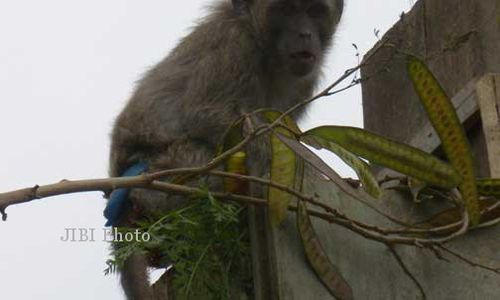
x=488 y=99
x=466 y=105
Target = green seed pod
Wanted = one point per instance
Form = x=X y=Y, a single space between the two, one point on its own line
x=489 y=187
x=443 y=117
x=397 y=156
x=321 y=264
x=284 y=167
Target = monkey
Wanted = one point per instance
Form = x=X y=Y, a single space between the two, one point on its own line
x=242 y=56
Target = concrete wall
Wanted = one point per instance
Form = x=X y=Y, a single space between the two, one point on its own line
x=370 y=268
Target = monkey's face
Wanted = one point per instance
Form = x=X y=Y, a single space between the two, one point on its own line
x=300 y=32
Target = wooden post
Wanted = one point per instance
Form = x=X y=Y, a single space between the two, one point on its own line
x=488 y=98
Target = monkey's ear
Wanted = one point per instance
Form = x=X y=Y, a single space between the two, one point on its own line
x=241 y=7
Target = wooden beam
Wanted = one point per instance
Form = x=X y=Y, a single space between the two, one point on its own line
x=487 y=94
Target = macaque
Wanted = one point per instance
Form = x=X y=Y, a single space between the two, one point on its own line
x=243 y=56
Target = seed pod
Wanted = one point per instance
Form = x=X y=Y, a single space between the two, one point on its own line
x=284 y=167
x=321 y=264
x=489 y=187
x=236 y=164
x=397 y=156
x=443 y=117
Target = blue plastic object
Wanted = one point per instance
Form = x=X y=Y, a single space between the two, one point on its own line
x=119 y=197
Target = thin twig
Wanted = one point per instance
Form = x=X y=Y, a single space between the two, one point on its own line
x=407 y=270
x=68 y=187
x=491 y=208
x=469 y=261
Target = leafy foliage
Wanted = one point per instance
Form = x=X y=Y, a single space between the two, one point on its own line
x=205 y=242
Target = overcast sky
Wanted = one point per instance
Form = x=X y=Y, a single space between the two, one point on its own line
x=66 y=70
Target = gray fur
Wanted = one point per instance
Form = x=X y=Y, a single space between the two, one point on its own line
x=179 y=111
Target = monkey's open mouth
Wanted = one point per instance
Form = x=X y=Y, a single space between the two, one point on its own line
x=303 y=55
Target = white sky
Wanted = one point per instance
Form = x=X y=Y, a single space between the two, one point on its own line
x=66 y=70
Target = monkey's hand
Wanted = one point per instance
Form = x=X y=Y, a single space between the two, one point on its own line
x=119 y=197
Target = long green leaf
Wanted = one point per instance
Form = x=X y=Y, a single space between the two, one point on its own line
x=361 y=168
x=316 y=162
x=272 y=115
x=284 y=164
x=443 y=117
x=236 y=163
x=321 y=264
x=391 y=154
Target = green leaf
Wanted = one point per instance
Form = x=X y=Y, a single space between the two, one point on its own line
x=321 y=264
x=361 y=168
x=236 y=163
x=385 y=152
x=284 y=164
x=287 y=121
x=443 y=117
x=316 y=162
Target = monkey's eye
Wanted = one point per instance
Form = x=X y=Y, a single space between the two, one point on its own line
x=317 y=10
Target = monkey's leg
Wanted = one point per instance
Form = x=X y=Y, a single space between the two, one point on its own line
x=162 y=288
x=134 y=272
x=143 y=203
x=135 y=279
